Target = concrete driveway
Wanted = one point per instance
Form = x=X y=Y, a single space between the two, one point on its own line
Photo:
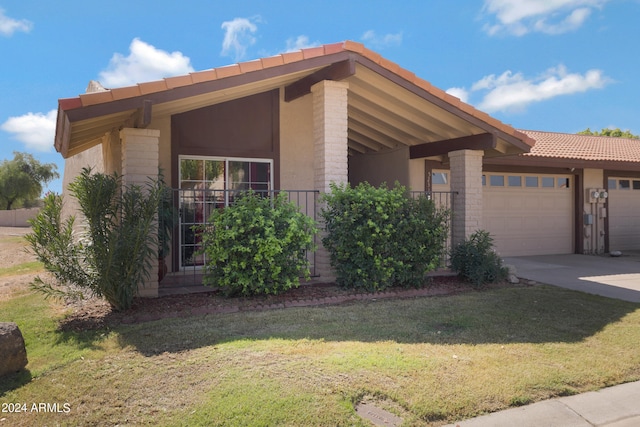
x=596 y=274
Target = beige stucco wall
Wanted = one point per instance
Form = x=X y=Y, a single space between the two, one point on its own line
x=296 y=144
x=376 y=168
x=93 y=158
x=416 y=174
x=593 y=234
x=112 y=153
x=18 y=217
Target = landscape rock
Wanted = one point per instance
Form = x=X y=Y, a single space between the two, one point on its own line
x=13 y=354
x=615 y=253
x=513 y=279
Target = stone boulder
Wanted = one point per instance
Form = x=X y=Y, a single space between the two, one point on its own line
x=13 y=355
x=511 y=275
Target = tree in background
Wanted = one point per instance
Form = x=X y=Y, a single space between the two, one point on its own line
x=22 y=178
x=616 y=133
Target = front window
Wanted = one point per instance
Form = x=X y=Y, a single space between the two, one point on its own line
x=208 y=183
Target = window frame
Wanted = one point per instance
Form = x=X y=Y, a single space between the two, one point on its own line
x=225 y=202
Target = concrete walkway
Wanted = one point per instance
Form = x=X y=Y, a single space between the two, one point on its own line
x=617 y=406
x=596 y=274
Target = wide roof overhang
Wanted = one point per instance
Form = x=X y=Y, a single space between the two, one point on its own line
x=388 y=107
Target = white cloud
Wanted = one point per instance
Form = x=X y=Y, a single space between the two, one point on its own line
x=35 y=130
x=8 y=26
x=511 y=92
x=519 y=17
x=300 y=42
x=144 y=63
x=238 y=36
x=380 y=42
x=459 y=92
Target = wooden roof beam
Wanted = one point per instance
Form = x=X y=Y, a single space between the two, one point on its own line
x=483 y=141
x=337 y=71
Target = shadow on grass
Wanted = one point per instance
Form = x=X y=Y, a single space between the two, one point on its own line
x=81 y=340
x=14 y=381
x=512 y=315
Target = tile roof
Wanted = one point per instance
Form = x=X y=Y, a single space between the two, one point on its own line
x=141 y=89
x=583 y=147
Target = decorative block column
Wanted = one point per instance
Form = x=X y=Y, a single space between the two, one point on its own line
x=466 y=179
x=330 y=135
x=140 y=150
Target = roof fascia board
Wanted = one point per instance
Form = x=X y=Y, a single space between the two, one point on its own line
x=483 y=141
x=201 y=88
x=566 y=163
x=63 y=129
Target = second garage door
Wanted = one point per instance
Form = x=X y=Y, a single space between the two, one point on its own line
x=624 y=214
x=529 y=214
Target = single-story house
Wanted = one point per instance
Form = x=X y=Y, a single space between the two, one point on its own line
x=342 y=113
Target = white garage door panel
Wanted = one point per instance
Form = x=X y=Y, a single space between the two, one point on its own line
x=624 y=217
x=529 y=221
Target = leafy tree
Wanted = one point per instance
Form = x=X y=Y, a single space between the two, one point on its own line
x=616 y=133
x=21 y=180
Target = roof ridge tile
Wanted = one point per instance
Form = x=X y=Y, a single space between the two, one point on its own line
x=333 y=48
x=312 y=52
x=289 y=57
x=152 y=87
x=353 y=46
x=228 y=71
x=272 y=61
x=178 y=81
x=94 y=98
x=204 y=76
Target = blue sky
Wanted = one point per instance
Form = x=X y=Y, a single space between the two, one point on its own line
x=553 y=65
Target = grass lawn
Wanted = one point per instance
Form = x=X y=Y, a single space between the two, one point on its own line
x=429 y=360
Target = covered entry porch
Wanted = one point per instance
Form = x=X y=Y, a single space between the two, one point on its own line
x=331 y=114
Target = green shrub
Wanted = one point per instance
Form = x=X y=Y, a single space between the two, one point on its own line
x=113 y=253
x=257 y=246
x=475 y=261
x=380 y=237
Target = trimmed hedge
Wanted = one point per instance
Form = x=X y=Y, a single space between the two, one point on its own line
x=257 y=245
x=380 y=237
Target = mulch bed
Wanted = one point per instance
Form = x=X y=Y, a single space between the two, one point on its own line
x=96 y=314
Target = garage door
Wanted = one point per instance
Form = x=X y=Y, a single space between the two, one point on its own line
x=529 y=214
x=624 y=213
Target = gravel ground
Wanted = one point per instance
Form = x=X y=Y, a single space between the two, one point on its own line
x=14 y=252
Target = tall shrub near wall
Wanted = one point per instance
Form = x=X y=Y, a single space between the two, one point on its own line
x=112 y=256
x=380 y=237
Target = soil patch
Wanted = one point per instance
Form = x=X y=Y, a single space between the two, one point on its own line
x=95 y=313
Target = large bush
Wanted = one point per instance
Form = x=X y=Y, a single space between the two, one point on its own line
x=380 y=237
x=113 y=253
x=258 y=245
x=475 y=260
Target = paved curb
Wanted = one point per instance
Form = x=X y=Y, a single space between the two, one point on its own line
x=616 y=406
